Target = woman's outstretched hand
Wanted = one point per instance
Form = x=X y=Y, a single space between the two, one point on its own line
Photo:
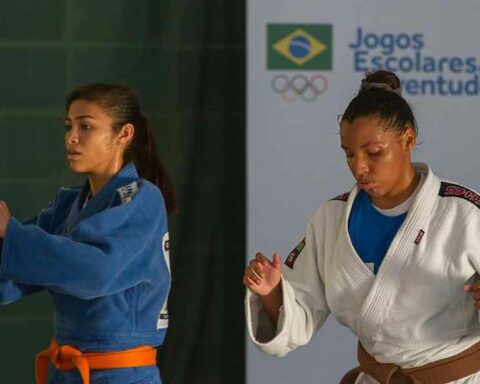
x=262 y=275
x=4 y=218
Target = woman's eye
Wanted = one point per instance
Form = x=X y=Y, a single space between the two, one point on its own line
x=68 y=127
x=375 y=153
x=85 y=127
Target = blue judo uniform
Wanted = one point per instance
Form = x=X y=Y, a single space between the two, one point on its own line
x=104 y=263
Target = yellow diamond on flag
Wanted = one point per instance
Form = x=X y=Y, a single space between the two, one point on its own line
x=299 y=46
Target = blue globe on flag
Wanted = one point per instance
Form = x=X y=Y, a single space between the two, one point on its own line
x=299 y=46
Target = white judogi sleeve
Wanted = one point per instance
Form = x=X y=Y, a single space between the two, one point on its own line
x=304 y=307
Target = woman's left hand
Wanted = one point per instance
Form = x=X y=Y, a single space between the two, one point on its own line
x=475 y=289
x=4 y=218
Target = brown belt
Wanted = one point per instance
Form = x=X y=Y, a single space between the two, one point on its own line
x=442 y=371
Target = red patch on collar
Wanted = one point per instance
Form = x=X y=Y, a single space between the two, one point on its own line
x=421 y=232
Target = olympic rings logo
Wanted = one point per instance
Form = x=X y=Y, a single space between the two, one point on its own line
x=299 y=86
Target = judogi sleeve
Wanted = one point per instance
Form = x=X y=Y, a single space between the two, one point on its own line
x=10 y=290
x=304 y=307
x=106 y=253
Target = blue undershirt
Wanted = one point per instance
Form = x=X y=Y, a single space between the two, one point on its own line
x=370 y=231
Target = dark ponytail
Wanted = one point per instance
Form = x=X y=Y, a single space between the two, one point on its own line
x=121 y=104
x=143 y=152
x=380 y=95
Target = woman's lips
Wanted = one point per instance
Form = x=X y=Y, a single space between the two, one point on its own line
x=72 y=155
x=365 y=184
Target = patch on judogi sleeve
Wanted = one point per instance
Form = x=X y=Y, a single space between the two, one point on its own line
x=292 y=257
x=455 y=190
x=162 y=321
x=342 y=197
x=127 y=192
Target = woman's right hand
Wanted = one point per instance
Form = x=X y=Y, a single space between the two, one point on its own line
x=4 y=218
x=262 y=275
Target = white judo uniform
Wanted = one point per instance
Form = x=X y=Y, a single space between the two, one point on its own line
x=414 y=311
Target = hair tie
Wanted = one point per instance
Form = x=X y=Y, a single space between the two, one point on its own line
x=385 y=87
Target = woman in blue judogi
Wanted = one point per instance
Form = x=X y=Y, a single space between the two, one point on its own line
x=101 y=249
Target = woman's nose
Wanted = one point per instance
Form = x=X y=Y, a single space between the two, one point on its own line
x=72 y=136
x=359 y=168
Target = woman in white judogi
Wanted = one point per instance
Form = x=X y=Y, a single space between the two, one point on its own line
x=394 y=259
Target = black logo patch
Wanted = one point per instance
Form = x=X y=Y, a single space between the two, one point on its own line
x=292 y=257
x=342 y=197
x=455 y=190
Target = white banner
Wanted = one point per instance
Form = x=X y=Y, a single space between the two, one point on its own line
x=305 y=62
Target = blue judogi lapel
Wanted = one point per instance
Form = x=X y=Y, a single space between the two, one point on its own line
x=102 y=199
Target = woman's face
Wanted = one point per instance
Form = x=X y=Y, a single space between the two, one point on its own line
x=378 y=158
x=90 y=141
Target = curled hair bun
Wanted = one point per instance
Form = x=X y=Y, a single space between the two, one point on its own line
x=385 y=80
x=384 y=77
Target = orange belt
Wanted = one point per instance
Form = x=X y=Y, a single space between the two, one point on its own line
x=67 y=357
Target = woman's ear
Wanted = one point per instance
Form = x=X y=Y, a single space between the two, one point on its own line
x=409 y=140
x=126 y=134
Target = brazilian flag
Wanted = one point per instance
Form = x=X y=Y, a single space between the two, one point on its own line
x=300 y=46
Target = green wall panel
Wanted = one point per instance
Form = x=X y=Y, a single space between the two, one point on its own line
x=32 y=20
x=32 y=77
x=33 y=144
x=151 y=71
x=215 y=84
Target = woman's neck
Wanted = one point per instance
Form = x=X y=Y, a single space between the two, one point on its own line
x=97 y=180
x=402 y=192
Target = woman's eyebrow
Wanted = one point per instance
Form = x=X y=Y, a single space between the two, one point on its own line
x=80 y=117
x=363 y=145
